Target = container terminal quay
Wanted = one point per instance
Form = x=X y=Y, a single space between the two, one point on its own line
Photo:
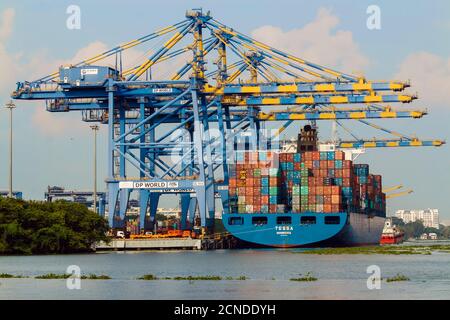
x=209 y=135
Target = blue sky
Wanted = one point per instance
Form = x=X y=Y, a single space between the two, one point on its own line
x=55 y=149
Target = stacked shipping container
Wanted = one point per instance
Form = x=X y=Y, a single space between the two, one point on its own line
x=313 y=181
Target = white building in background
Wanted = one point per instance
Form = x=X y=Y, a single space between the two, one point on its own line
x=430 y=217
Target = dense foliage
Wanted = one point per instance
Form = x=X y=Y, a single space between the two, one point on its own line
x=416 y=229
x=28 y=227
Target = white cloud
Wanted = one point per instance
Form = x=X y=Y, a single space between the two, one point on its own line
x=429 y=75
x=6 y=23
x=52 y=124
x=318 y=42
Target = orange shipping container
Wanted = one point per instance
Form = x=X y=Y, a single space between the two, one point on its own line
x=335 y=199
x=264 y=199
x=339 y=155
x=240 y=183
x=273 y=182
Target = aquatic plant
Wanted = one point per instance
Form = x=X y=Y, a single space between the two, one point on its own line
x=53 y=276
x=95 y=277
x=148 y=277
x=307 y=277
x=192 y=278
x=392 y=250
x=398 y=277
x=9 y=276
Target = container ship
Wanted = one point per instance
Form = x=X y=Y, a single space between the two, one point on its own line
x=391 y=234
x=304 y=197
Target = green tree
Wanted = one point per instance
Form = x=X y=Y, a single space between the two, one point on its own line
x=28 y=227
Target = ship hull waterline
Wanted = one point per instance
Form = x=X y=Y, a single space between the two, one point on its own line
x=291 y=230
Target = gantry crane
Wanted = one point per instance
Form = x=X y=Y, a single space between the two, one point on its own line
x=179 y=132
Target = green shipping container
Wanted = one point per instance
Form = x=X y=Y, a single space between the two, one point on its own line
x=304 y=190
x=273 y=191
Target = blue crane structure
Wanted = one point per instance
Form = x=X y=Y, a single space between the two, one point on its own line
x=176 y=135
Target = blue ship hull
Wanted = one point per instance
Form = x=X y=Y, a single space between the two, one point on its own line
x=305 y=229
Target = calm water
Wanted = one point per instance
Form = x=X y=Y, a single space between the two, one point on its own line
x=340 y=276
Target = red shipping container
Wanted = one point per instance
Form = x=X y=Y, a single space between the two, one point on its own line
x=290 y=157
x=264 y=199
x=327 y=208
x=257 y=208
x=311 y=199
x=256 y=199
x=319 y=189
x=309 y=164
x=297 y=166
x=272 y=208
x=330 y=164
x=323 y=164
x=335 y=190
x=257 y=182
x=336 y=208
x=323 y=173
x=346 y=164
x=346 y=182
x=232 y=182
x=315 y=155
x=249 y=191
x=249 y=182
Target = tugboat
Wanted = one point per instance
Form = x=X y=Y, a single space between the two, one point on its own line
x=391 y=233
